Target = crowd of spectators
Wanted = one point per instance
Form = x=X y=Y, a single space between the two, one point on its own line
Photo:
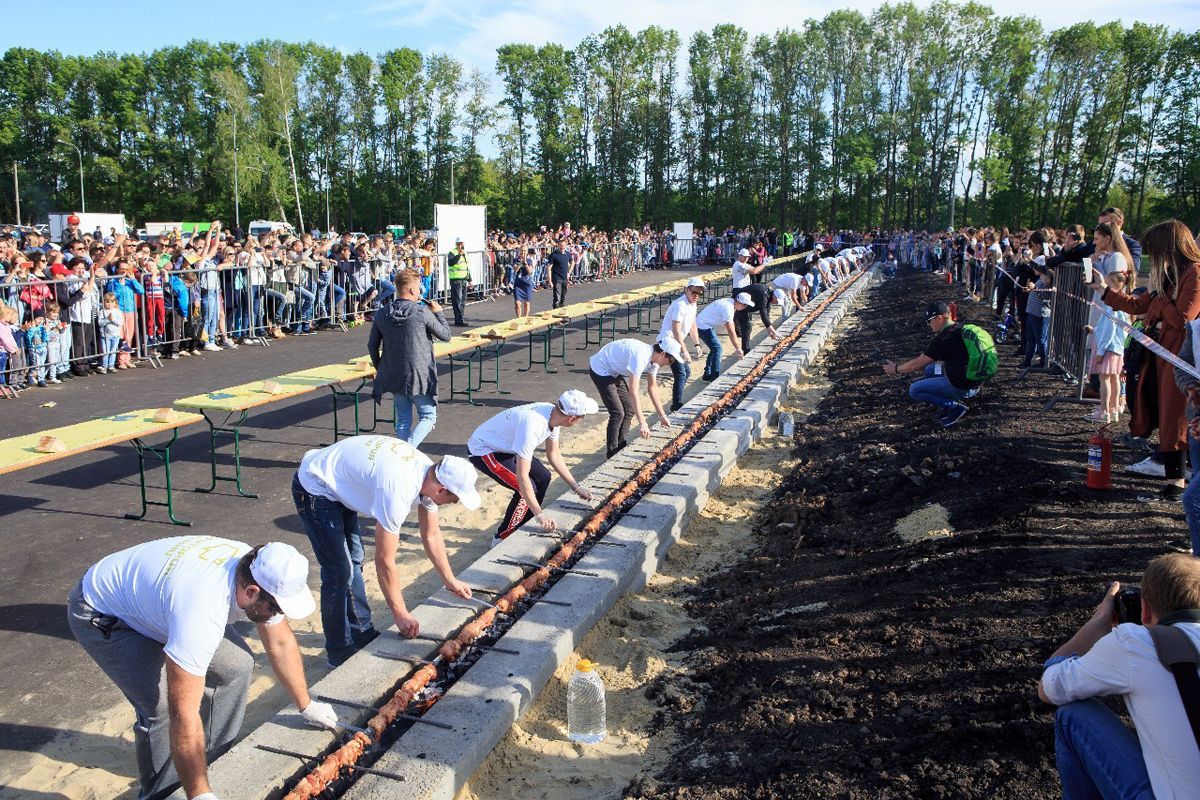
x=177 y=294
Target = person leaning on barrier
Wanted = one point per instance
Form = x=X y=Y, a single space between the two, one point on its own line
x=1172 y=301
x=157 y=618
x=1114 y=655
x=503 y=449
x=384 y=478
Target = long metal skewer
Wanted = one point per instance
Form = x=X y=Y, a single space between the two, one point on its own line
x=365 y=707
x=355 y=767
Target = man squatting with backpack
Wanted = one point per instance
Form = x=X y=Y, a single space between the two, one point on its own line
x=956 y=362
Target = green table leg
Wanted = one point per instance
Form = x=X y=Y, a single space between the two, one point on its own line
x=163 y=453
x=494 y=349
x=235 y=431
x=337 y=391
x=544 y=335
x=469 y=360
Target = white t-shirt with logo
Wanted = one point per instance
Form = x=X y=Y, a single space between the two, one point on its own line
x=519 y=430
x=716 y=314
x=741 y=274
x=627 y=357
x=683 y=311
x=178 y=591
x=379 y=476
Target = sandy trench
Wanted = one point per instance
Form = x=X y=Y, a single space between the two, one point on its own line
x=630 y=645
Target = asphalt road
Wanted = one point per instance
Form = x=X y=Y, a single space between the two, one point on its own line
x=60 y=518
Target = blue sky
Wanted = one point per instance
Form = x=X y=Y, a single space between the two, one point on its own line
x=471 y=30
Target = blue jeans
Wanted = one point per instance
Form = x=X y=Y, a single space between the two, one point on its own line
x=1037 y=338
x=1191 y=496
x=1098 y=757
x=712 y=364
x=682 y=371
x=936 y=390
x=426 y=417
x=306 y=303
x=332 y=529
x=110 y=343
x=212 y=313
x=387 y=290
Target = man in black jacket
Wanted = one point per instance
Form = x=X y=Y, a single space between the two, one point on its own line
x=763 y=295
x=560 y=270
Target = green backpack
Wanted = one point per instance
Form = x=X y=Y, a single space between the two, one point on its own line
x=982 y=360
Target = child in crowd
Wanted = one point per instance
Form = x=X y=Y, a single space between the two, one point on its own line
x=1108 y=357
x=112 y=323
x=8 y=353
x=156 y=313
x=58 y=337
x=37 y=344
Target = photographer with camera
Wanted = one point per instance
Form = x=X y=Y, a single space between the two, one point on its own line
x=1112 y=654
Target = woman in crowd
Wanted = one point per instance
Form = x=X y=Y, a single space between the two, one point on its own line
x=1173 y=300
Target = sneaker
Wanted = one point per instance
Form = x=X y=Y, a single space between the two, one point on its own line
x=42 y=384
x=174 y=356
x=1148 y=467
x=54 y=380
x=210 y=347
x=952 y=415
x=228 y=344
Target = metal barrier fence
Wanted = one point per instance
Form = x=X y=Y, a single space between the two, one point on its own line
x=1069 y=316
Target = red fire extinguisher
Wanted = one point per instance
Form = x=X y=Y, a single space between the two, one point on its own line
x=1099 y=461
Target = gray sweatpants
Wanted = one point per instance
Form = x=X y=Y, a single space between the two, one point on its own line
x=135 y=664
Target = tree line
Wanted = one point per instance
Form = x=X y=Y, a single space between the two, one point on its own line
x=907 y=117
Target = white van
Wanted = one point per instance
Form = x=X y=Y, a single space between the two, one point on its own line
x=261 y=227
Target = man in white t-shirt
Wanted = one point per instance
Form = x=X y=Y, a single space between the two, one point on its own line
x=678 y=322
x=616 y=370
x=156 y=618
x=503 y=449
x=742 y=271
x=719 y=315
x=1097 y=755
x=383 y=478
x=793 y=289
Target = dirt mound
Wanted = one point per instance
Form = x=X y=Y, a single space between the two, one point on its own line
x=836 y=660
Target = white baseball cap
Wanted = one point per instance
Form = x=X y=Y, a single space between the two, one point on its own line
x=283 y=573
x=695 y=283
x=671 y=347
x=576 y=403
x=744 y=252
x=744 y=299
x=458 y=475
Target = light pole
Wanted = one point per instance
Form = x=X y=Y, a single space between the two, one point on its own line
x=237 y=211
x=82 y=199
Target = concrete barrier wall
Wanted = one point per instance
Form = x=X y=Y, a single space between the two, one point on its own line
x=483 y=704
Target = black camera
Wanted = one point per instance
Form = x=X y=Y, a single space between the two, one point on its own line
x=1129 y=605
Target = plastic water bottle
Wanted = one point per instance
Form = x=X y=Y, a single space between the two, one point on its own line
x=585 y=705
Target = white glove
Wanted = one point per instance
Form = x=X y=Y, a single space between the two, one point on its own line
x=205 y=796
x=319 y=715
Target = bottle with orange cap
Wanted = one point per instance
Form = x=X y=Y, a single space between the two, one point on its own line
x=586 y=723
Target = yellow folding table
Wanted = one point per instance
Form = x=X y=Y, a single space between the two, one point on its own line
x=21 y=452
x=235 y=403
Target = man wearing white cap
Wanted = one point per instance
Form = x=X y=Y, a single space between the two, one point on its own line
x=762 y=296
x=503 y=449
x=383 y=478
x=791 y=290
x=742 y=270
x=719 y=313
x=678 y=322
x=616 y=370
x=156 y=618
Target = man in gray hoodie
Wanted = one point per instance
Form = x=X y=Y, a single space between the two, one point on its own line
x=401 y=348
